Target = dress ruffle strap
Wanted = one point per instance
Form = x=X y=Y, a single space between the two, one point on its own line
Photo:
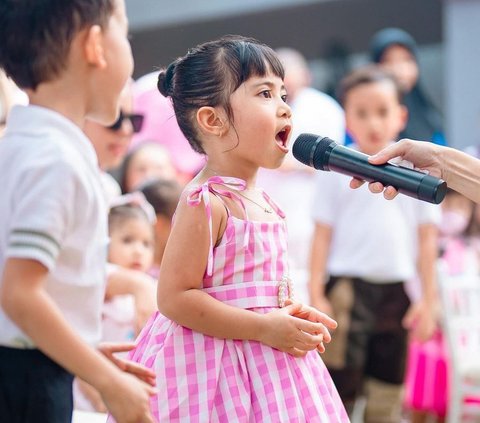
x=202 y=193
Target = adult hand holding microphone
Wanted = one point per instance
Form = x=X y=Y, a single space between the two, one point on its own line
x=460 y=170
x=324 y=154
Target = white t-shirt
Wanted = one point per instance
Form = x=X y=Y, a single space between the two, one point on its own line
x=372 y=238
x=53 y=210
x=110 y=187
x=317 y=113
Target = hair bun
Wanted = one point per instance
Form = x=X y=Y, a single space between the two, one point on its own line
x=165 y=78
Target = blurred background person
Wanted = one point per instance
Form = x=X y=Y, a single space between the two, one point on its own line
x=10 y=94
x=147 y=161
x=111 y=143
x=474 y=230
x=426 y=386
x=396 y=51
x=364 y=251
x=163 y=195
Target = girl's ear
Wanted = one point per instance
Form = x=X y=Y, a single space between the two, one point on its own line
x=211 y=121
x=94 y=51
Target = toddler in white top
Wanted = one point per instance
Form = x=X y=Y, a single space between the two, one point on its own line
x=130 y=225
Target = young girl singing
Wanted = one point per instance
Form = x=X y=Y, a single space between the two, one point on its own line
x=228 y=342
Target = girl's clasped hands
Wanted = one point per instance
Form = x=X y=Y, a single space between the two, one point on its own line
x=296 y=329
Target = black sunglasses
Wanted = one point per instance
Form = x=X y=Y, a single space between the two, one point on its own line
x=135 y=119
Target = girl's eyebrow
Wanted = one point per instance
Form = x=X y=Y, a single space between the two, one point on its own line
x=270 y=84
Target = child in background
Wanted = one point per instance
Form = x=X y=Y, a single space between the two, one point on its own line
x=145 y=162
x=426 y=385
x=131 y=247
x=163 y=195
x=73 y=59
x=227 y=343
x=363 y=251
x=457 y=220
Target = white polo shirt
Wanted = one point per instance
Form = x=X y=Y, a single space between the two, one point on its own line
x=372 y=238
x=53 y=210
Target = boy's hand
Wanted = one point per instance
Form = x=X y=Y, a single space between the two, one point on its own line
x=128 y=399
x=108 y=349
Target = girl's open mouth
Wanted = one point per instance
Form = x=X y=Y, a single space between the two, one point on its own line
x=282 y=138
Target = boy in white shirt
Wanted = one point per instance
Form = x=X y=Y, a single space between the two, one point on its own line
x=368 y=248
x=72 y=58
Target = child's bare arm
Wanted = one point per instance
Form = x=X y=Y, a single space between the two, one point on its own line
x=319 y=251
x=142 y=287
x=28 y=305
x=422 y=316
x=180 y=299
x=92 y=395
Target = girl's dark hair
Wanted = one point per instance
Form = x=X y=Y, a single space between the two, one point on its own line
x=119 y=214
x=36 y=35
x=163 y=195
x=367 y=75
x=209 y=73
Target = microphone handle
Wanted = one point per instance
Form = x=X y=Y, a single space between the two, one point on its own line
x=407 y=181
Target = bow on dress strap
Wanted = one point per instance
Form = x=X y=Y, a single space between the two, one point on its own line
x=202 y=193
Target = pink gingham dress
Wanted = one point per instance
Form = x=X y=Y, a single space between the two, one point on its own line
x=205 y=379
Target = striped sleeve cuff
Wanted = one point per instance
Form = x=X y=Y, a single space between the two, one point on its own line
x=32 y=244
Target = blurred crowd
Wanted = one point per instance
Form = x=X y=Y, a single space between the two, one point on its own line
x=372 y=265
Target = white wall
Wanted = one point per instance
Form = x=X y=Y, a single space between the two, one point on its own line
x=157 y=13
x=462 y=76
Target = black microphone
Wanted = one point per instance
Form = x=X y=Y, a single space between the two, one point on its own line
x=325 y=154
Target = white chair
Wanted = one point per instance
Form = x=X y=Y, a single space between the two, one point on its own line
x=460 y=296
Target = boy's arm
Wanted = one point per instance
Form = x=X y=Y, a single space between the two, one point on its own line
x=319 y=251
x=26 y=302
x=422 y=316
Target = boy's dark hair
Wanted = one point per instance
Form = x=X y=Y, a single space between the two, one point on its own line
x=367 y=75
x=209 y=73
x=36 y=35
x=163 y=195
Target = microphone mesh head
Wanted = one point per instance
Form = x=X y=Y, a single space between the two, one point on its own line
x=310 y=150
